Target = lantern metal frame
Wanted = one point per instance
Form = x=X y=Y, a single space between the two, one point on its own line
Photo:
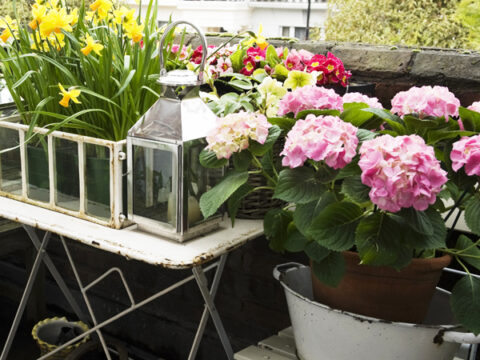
x=180 y=230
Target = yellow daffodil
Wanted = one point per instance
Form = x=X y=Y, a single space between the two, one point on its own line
x=71 y=94
x=74 y=15
x=101 y=7
x=55 y=21
x=52 y=4
x=9 y=27
x=258 y=39
x=133 y=30
x=298 y=78
x=38 y=13
x=91 y=44
x=38 y=43
x=123 y=15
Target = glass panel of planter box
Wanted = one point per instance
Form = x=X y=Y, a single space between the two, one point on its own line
x=38 y=184
x=10 y=165
x=97 y=180
x=67 y=187
x=154 y=183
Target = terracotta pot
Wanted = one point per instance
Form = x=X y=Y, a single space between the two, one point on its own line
x=383 y=292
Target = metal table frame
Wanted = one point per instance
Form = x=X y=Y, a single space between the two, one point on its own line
x=205 y=249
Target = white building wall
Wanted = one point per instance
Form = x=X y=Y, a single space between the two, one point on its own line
x=236 y=16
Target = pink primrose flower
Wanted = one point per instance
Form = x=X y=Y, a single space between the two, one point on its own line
x=466 y=152
x=309 y=97
x=305 y=55
x=316 y=63
x=224 y=66
x=355 y=97
x=257 y=53
x=250 y=66
x=401 y=171
x=475 y=106
x=233 y=132
x=294 y=61
x=426 y=101
x=326 y=138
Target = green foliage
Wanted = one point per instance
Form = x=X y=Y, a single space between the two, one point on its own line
x=409 y=22
x=468 y=13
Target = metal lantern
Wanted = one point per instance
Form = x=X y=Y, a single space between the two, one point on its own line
x=165 y=178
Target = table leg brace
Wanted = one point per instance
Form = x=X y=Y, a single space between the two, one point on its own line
x=203 y=286
x=25 y=296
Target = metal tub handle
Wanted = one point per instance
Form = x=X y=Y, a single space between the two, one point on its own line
x=283 y=268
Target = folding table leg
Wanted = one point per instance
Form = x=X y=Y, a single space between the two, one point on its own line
x=85 y=298
x=56 y=275
x=25 y=296
x=203 y=286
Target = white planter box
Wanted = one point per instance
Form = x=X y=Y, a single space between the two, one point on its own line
x=72 y=174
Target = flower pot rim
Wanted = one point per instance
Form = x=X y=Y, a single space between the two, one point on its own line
x=429 y=263
x=360 y=317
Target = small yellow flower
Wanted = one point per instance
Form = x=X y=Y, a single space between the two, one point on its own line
x=56 y=21
x=91 y=44
x=133 y=30
x=52 y=4
x=102 y=7
x=258 y=39
x=9 y=27
x=71 y=94
x=38 y=12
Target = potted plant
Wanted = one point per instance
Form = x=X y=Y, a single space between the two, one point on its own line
x=365 y=189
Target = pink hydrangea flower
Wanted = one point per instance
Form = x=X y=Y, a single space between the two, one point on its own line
x=401 y=171
x=355 y=97
x=233 y=132
x=475 y=106
x=305 y=55
x=326 y=138
x=426 y=101
x=310 y=97
x=466 y=152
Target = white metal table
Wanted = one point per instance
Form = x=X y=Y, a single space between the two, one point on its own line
x=132 y=244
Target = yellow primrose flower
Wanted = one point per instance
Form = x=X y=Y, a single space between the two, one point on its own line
x=102 y=7
x=9 y=28
x=91 y=44
x=71 y=94
x=133 y=30
x=123 y=15
x=38 y=12
x=298 y=78
x=55 y=21
x=258 y=39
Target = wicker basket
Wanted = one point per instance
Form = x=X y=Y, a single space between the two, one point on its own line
x=48 y=328
x=258 y=203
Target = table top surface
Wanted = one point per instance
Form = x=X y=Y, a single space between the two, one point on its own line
x=133 y=243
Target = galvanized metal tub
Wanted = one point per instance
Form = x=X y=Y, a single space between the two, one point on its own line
x=323 y=333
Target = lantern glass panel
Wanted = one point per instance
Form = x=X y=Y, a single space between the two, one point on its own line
x=97 y=180
x=67 y=187
x=10 y=166
x=154 y=184
x=38 y=183
x=197 y=181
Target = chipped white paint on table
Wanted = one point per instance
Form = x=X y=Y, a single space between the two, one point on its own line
x=130 y=243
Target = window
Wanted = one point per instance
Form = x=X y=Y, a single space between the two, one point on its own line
x=300 y=33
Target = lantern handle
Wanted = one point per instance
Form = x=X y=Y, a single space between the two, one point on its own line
x=163 y=71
